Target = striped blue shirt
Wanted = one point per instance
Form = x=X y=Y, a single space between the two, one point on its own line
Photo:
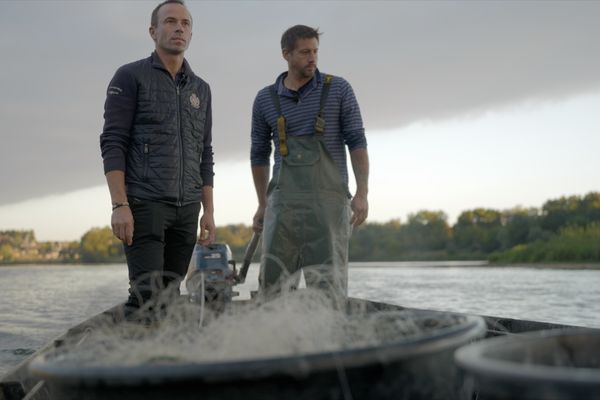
x=343 y=122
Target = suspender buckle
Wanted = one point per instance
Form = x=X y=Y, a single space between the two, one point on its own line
x=320 y=121
x=283 y=150
x=320 y=125
x=281 y=123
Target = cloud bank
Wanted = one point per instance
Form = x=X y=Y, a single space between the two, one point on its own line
x=407 y=62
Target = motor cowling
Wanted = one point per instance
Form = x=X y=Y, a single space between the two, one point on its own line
x=211 y=274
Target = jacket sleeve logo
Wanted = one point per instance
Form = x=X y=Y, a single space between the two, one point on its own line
x=114 y=90
x=195 y=101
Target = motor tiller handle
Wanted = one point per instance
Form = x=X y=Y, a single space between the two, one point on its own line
x=248 y=257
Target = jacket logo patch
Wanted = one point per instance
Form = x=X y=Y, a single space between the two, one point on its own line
x=194 y=101
x=114 y=90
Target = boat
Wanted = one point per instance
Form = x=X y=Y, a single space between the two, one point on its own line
x=415 y=367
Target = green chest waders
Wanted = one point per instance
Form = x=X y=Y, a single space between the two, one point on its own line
x=307 y=219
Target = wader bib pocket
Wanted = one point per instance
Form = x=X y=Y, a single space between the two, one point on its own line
x=300 y=168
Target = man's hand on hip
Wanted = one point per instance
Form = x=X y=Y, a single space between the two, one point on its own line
x=122 y=224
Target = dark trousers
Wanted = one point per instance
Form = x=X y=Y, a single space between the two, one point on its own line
x=163 y=241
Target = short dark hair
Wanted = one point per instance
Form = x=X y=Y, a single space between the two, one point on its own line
x=291 y=36
x=154 y=17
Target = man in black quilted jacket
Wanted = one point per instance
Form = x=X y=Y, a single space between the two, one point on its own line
x=157 y=151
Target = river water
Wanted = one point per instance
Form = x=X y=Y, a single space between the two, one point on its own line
x=37 y=303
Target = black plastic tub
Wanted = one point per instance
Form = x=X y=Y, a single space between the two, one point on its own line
x=545 y=365
x=414 y=367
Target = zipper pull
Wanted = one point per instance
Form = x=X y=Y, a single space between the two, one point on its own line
x=145 y=148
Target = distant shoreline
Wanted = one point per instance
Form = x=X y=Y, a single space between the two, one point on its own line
x=376 y=264
x=472 y=264
x=562 y=265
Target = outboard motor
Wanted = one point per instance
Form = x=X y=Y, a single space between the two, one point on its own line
x=211 y=275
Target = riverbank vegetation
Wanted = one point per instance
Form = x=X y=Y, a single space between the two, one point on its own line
x=578 y=244
x=566 y=229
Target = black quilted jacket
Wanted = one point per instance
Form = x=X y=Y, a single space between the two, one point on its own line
x=158 y=130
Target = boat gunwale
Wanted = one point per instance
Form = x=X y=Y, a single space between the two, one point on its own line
x=302 y=365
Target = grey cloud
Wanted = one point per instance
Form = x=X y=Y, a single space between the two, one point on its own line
x=407 y=61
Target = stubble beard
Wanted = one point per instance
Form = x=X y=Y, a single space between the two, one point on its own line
x=307 y=72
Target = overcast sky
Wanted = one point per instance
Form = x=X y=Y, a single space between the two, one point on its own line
x=505 y=83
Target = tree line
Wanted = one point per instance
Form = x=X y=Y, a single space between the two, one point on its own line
x=97 y=245
x=566 y=229
x=563 y=230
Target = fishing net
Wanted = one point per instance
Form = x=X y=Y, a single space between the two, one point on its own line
x=297 y=322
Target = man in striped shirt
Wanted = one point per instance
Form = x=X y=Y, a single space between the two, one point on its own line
x=306 y=213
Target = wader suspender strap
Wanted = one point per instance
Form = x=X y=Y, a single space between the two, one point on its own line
x=319 y=123
x=283 y=150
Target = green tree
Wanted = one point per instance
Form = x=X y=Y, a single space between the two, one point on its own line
x=18 y=238
x=427 y=231
x=70 y=252
x=237 y=237
x=520 y=225
x=561 y=212
x=590 y=205
x=477 y=231
x=6 y=253
x=377 y=242
x=572 y=244
x=99 y=245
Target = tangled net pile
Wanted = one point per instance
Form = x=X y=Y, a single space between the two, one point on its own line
x=298 y=323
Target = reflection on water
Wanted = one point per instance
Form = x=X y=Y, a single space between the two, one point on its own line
x=40 y=302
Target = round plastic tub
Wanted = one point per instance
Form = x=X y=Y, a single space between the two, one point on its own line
x=558 y=364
